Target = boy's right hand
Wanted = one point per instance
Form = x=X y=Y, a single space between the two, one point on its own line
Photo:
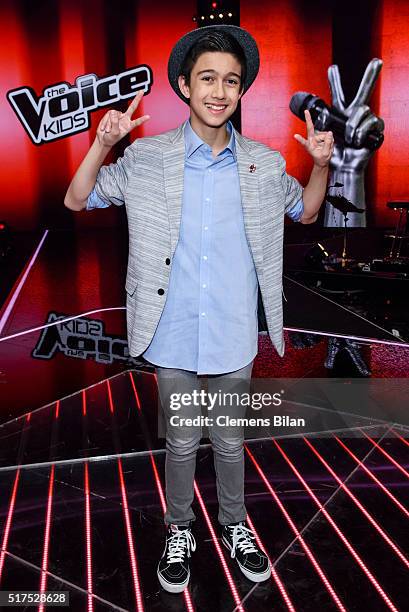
x=114 y=125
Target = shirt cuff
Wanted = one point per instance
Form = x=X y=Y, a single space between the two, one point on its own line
x=296 y=212
x=94 y=201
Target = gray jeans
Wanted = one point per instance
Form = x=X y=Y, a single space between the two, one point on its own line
x=183 y=440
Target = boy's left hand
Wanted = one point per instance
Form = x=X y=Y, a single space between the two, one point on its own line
x=319 y=145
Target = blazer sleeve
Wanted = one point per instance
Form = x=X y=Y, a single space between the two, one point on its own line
x=292 y=192
x=112 y=180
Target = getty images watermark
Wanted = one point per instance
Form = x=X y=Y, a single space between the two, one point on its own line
x=287 y=406
x=228 y=400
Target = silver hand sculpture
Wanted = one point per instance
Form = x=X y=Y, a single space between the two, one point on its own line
x=351 y=155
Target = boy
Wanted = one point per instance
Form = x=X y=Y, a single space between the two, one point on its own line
x=205 y=211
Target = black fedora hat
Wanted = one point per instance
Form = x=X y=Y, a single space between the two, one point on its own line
x=180 y=50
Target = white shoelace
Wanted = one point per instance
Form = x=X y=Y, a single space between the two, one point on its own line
x=178 y=542
x=242 y=539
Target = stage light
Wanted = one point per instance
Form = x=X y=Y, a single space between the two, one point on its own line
x=211 y=16
x=221 y=15
x=214 y=5
x=202 y=17
x=229 y=14
x=194 y=18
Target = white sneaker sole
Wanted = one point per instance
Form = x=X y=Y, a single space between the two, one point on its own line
x=253 y=576
x=170 y=587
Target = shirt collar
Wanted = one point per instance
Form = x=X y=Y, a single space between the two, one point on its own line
x=193 y=141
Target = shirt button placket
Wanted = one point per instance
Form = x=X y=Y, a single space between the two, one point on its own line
x=207 y=203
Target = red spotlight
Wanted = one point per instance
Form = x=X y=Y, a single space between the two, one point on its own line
x=214 y=5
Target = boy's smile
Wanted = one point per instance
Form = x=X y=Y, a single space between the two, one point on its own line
x=216 y=109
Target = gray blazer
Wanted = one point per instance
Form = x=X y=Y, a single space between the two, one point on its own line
x=148 y=179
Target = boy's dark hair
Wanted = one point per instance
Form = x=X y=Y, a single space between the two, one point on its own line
x=214 y=41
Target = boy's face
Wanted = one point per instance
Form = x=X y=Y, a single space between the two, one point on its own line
x=215 y=88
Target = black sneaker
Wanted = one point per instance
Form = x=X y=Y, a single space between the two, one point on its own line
x=173 y=568
x=242 y=544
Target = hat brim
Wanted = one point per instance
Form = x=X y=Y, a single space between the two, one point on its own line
x=180 y=50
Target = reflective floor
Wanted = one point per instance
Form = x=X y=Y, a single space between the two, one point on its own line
x=82 y=503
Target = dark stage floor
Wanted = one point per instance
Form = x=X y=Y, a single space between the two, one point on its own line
x=82 y=502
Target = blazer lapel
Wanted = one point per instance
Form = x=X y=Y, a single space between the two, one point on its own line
x=250 y=197
x=173 y=170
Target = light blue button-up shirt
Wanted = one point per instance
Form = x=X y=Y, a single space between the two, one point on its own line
x=209 y=321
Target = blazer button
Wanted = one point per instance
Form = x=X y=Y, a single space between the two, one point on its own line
x=161 y=291
x=167 y=261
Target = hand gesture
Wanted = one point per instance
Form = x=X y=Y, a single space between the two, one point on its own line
x=352 y=153
x=114 y=125
x=319 y=145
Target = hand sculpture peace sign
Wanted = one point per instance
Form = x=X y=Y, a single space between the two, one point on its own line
x=361 y=121
x=352 y=153
x=114 y=125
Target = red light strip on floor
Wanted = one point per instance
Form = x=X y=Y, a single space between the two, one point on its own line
x=356 y=501
x=338 y=531
x=138 y=403
x=8 y=522
x=374 y=478
x=305 y=546
x=400 y=437
x=88 y=541
x=387 y=455
x=158 y=483
x=275 y=576
x=216 y=543
x=57 y=409
x=153 y=462
x=111 y=403
x=132 y=556
x=88 y=537
x=186 y=592
x=44 y=564
x=134 y=564
x=10 y=514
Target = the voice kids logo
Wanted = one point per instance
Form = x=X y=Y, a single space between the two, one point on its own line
x=64 y=109
x=81 y=338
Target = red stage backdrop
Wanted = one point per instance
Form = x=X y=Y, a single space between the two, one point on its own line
x=296 y=50
x=54 y=41
x=389 y=173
